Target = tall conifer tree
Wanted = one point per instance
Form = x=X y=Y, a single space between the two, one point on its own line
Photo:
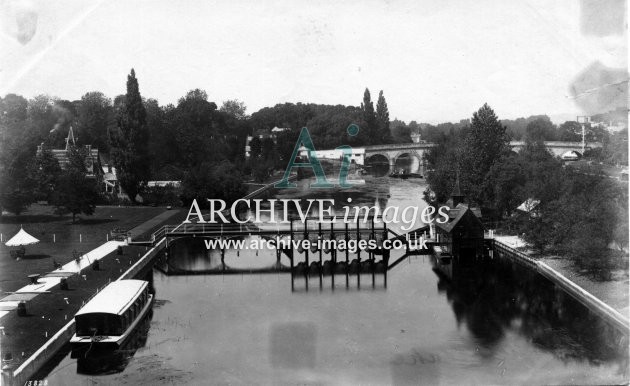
x=382 y=118
x=369 y=117
x=486 y=141
x=130 y=143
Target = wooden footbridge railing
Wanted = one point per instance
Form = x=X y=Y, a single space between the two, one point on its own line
x=296 y=228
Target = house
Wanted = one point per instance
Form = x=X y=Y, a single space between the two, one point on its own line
x=277 y=129
x=92 y=157
x=110 y=180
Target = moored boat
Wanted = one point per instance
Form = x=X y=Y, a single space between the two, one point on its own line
x=108 y=319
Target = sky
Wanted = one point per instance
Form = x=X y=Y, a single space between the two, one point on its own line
x=435 y=61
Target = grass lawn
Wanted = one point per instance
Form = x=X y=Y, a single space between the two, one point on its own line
x=86 y=234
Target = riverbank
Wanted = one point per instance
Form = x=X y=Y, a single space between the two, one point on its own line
x=30 y=340
x=613 y=292
x=61 y=240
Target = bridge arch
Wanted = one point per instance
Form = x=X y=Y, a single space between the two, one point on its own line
x=409 y=161
x=379 y=164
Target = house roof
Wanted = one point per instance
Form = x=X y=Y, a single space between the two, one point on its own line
x=528 y=205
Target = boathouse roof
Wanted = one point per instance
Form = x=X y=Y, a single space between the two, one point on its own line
x=114 y=298
x=458 y=213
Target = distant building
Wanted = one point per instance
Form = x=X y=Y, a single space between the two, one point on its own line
x=174 y=184
x=528 y=206
x=110 y=179
x=357 y=156
x=570 y=156
x=610 y=126
x=262 y=134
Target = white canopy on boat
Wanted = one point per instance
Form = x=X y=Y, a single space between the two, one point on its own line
x=21 y=238
x=114 y=298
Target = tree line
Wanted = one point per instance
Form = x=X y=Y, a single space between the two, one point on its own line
x=193 y=141
x=578 y=213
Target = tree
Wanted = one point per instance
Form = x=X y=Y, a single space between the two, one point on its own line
x=268 y=148
x=369 y=117
x=204 y=181
x=382 y=118
x=485 y=142
x=234 y=108
x=255 y=146
x=197 y=125
x=17 y=186
x=570 y=131
x=503 y=184
x=75 y=192
x=401 y=132
x=45 y=172
x=130 y=143
x=442 y=165
x=95 y=115
x=541 y=129
x=285 y=141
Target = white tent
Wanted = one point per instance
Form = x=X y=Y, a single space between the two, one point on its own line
x=20 y=239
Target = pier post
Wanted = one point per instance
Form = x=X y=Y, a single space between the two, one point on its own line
x=371 y=254
x=386 y=261
x=358 y=254
x=292 y=272
x=223 y=259
x=306 y=269
x=373 y=266
x=347 y=258
x=321 y=264
x=333 y=256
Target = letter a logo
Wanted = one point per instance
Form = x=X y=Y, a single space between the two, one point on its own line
x=313 y=163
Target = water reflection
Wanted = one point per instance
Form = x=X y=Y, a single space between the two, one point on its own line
x=374 y=192
x=488 y=323
x=492 y=297
x=191 y=256
x=97 y=360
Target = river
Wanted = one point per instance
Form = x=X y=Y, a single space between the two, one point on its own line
x=488 y=323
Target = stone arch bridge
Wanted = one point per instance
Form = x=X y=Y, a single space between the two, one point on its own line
x=410 y=156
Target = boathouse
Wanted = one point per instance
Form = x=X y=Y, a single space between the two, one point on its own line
x=462 y=234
